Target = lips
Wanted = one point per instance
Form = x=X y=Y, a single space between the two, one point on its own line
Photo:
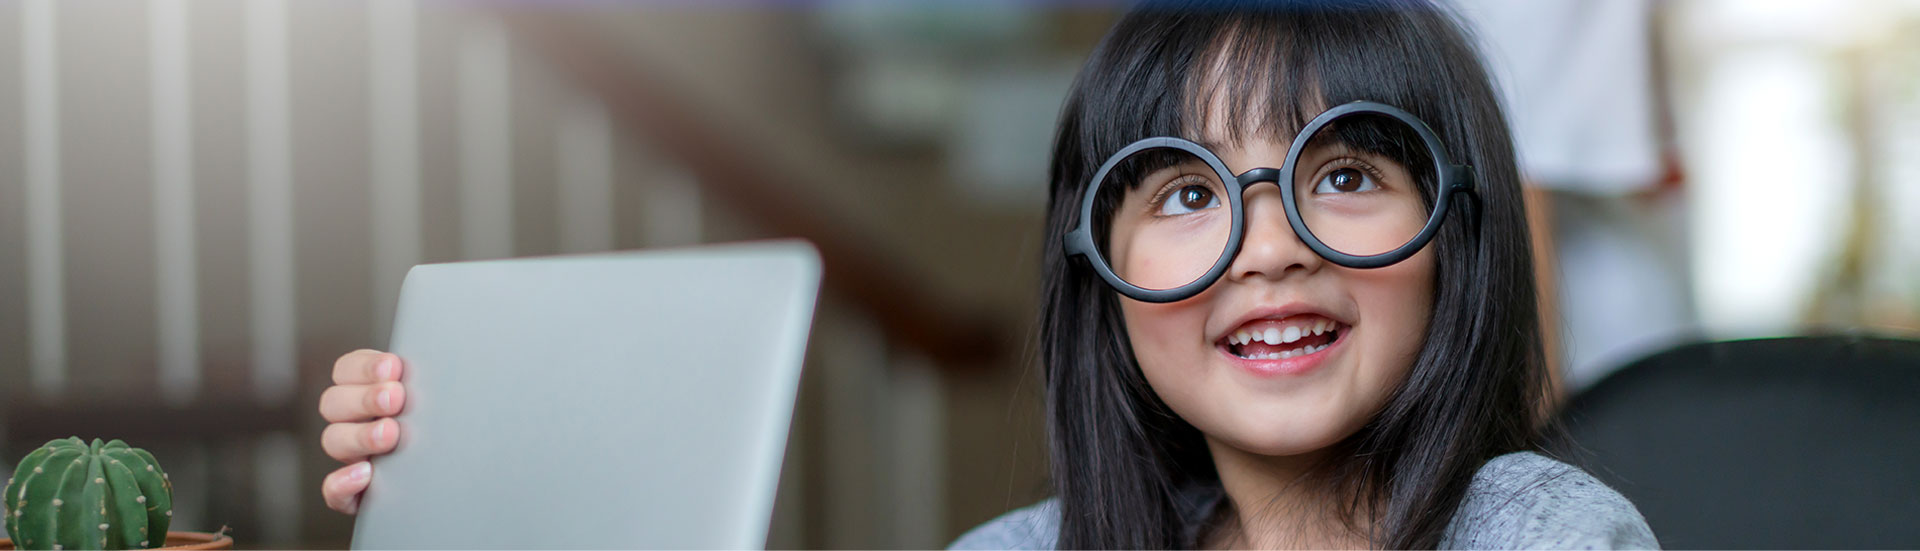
x=1279 y=339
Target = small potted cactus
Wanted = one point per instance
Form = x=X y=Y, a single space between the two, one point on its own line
x=73 y=495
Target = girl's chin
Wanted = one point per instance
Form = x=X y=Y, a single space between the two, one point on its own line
x=1264 y=439
x=1289 y=448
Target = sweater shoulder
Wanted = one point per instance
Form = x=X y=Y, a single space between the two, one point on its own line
x=1519 y=500
x=1528 y=500
x=1035 y=526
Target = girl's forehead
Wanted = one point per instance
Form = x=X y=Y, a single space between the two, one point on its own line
x=1222 y=134
x=1236 y=115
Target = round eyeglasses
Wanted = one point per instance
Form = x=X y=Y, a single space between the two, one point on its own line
x=1364 y=185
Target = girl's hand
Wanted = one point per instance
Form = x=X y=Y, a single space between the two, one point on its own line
x=366 y=392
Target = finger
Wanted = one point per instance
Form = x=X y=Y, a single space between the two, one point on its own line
x=365 y=366
x=355 y=367
x=356 y=403
x=350 y=442
x=342 y=487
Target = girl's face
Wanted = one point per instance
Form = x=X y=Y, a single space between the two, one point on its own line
x=1348 y=335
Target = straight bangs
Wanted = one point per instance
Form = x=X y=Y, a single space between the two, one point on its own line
x=1263 y=71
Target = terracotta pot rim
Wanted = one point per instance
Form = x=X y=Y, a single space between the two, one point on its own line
x=175 y=539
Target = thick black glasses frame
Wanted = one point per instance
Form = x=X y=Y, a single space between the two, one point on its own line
x=1453 y=178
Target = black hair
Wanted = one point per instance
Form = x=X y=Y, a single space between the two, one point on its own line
x=1120 y=458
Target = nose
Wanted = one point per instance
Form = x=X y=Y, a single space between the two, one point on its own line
x=1270 y=249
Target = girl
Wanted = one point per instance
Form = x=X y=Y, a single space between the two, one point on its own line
x=1348 y=357
x=1288 y=301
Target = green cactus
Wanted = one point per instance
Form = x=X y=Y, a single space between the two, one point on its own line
x=69 y=495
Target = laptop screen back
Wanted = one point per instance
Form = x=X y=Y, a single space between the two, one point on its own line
x=625 y=400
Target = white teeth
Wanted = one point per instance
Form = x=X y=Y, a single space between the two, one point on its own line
x=1279 y=335
x=1284 y=354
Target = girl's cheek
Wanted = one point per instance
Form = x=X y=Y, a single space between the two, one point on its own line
x=1164 y=335
x=1397 y=304
x=1163 y=338
x=1176 y=359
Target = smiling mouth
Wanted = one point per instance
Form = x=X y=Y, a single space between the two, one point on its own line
x=1278 y=340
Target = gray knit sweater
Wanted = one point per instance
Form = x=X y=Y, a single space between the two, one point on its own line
x=1516 y=501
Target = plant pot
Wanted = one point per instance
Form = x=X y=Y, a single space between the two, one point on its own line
x=175 y=540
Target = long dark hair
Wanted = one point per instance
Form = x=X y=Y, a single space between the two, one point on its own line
x=1120 y=457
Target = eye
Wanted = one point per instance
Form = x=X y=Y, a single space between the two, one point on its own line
x=1187 y=199
x=1345 y=180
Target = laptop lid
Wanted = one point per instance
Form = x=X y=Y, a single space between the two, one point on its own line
x=623 y=400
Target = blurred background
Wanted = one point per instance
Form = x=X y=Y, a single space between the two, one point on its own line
x=204 y=202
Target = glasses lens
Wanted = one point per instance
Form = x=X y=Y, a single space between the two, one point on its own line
x=1360 y=184
x=1161 y=218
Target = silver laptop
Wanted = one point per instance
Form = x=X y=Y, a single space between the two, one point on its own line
x=625 y=400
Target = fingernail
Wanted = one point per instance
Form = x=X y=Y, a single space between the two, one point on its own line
x=384 y=371
x=379 y=432
x=385 y=398
x=360 y=471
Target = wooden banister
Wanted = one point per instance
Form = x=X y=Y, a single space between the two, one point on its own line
x=755 y=186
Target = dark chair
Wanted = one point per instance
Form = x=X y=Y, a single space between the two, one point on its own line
x=1806 y=442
